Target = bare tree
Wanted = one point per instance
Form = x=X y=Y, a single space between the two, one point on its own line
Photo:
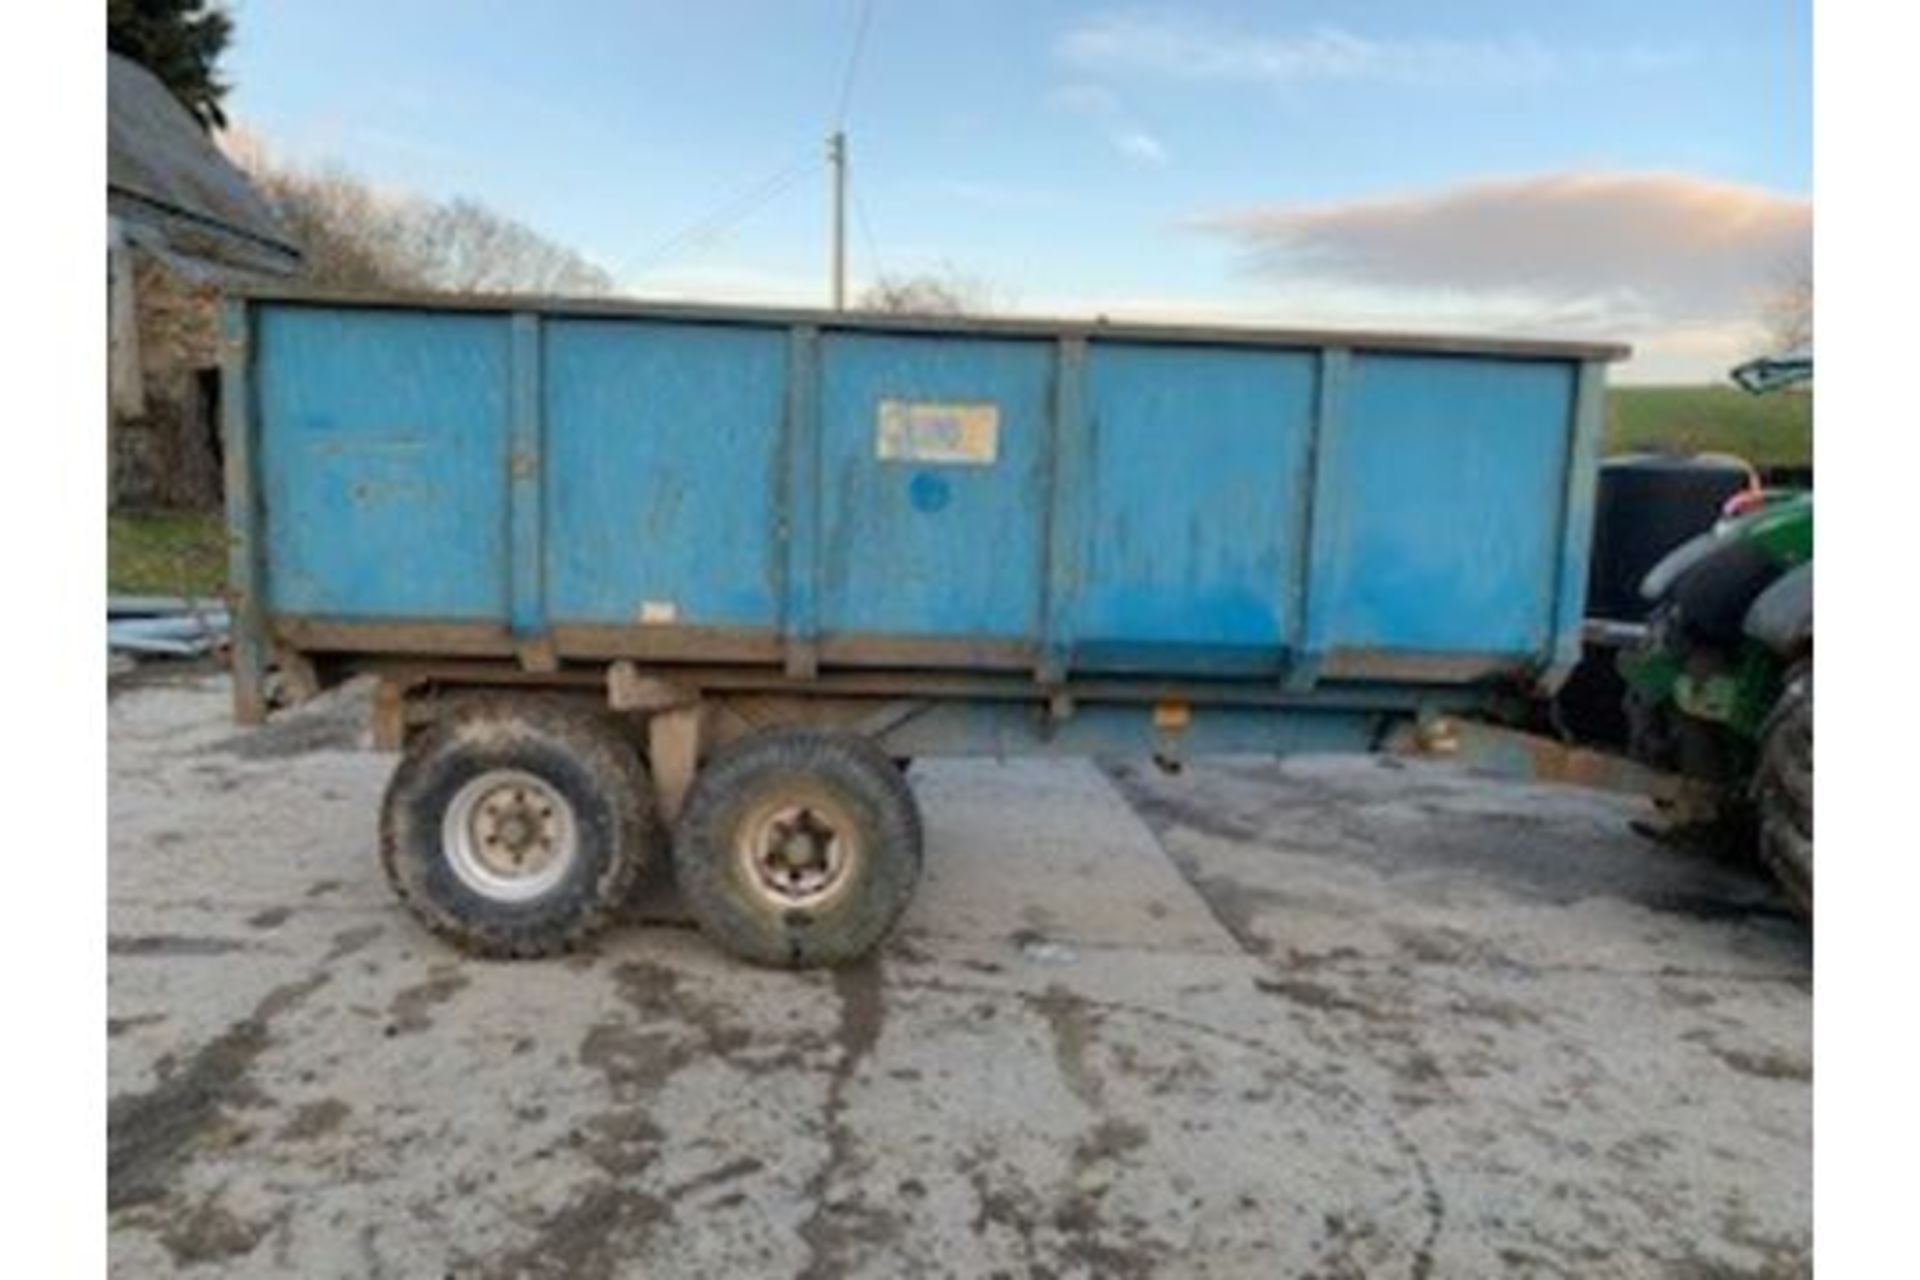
x=355 y=236
x=468 y=248
x=1787 y=313
x=942 y=293
x=349 y=237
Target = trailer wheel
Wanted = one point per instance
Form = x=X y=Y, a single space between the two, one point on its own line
x=1783 y=788
x=517 y=828
x=798 y=847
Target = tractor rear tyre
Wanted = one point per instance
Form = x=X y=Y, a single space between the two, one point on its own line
x=798 y=848
x=1783 y=788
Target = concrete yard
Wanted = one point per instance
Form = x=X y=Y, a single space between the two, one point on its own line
x=1332 y=1017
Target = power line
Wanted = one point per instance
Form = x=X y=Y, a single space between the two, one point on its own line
x=742 y=203
x=853 y=63
x=723 y=216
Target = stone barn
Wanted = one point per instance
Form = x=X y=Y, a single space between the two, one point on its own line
x=182 y=224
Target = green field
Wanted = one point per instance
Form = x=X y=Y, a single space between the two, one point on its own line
x=166 y=553
x=1768 y=430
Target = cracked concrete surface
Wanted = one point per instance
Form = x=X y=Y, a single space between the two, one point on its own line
x=1329 y=1017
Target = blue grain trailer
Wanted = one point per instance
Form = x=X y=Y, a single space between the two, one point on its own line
x=640 y=580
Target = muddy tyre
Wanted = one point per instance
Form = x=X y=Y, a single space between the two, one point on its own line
x=798 y=848
x=1783 y=788
x=517 y=828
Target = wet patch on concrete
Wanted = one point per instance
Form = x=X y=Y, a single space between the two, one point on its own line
x=634 y=1062
x=1438 y=827
x=623 y=1143
x=731 y=1171
x=592 y=1237
x=1070 y=1024
x=839 y=1225
x=153 y=944
x=1315 y=995
x=1062 y=1230
x=150 y=1133
x=1761 y=1063
x=315 y=1120
x=1111 y=1139
x=672 y=1028
x=1768 y=1065
x=117 y=1027
x=210 y=1234
x=410 y=1008
x=335 y=723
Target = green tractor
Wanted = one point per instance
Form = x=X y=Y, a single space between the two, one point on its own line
x=1720 y=689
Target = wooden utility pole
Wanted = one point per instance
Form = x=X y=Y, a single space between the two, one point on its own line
x=837 y=161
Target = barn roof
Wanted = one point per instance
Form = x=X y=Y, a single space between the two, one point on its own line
x=174 y=192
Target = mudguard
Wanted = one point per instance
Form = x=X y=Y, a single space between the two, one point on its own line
x=1781 y=617
x=1667 y=570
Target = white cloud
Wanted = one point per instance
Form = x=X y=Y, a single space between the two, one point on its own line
x=1675 y=263
x=1682 y=243
x=1136 y=145
x=1104 y=107
x=1182 y=48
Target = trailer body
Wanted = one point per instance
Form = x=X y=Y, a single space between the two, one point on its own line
x=1268 y=519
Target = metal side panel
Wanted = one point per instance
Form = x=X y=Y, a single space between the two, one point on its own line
x=1197 y=481
x=383 y=462
x=932 y=503
x=1449 y=484
x=664 y=473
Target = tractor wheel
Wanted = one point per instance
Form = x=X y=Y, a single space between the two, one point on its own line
x=798 y=847
x=1783 y=788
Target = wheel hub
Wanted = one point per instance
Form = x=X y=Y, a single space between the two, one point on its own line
x=797 y=853
x=509 y=835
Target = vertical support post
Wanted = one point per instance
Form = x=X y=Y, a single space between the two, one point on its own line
x=1319 y=543
x=526 y=570
x=1065 y=485
x=246 y=517
x=800 y=524
x=837 y=161
x=673 y=755
x=1576 y=525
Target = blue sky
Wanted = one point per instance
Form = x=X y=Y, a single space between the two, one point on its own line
x=1634 y=168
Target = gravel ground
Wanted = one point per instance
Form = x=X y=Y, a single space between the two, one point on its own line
x=1330 y=1017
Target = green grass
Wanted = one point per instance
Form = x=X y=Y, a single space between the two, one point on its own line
x=1769 y=430
x=168 y=553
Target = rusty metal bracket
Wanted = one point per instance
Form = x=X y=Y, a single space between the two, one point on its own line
x=629 y=690
x=1534 y=758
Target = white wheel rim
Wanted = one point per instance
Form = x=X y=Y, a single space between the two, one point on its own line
x=509 y=836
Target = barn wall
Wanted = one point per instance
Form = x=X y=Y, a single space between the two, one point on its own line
x=163 y=454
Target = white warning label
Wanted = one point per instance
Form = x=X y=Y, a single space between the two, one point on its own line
x=927 y=431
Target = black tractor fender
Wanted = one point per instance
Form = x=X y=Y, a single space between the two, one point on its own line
x=1781 y=616
x=1707 y=585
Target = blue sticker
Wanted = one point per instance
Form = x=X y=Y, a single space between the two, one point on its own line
x=929 y=492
